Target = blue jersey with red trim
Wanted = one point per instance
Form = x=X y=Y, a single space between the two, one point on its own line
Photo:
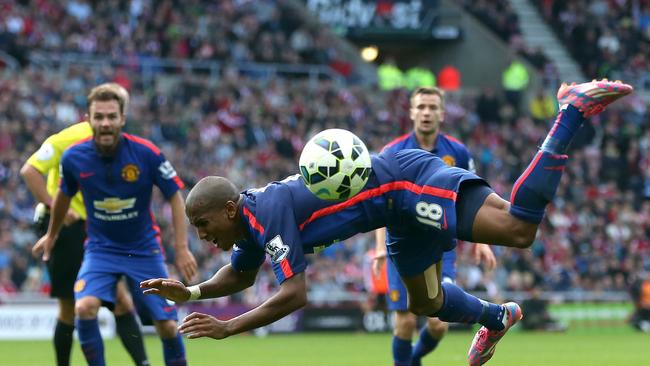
x=117 y=193
x=286 y=221
x=453 y=153
x=448 y=148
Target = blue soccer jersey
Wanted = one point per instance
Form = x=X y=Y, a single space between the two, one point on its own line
x=449 y=149
x=117 y=193
x=412 y=192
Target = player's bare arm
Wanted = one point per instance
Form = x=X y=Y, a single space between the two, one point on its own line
x=37 y=186
x=380 y=251
x=226 y=281
x=36 y=183
x=291 y=297
x=60 y=207
x=183 y=258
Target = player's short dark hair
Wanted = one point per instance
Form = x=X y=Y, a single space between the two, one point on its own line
x=107 y=92
x=429 y=90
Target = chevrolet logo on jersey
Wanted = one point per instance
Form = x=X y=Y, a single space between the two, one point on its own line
x=113 y=205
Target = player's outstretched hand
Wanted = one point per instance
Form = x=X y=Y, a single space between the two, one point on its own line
x=43 y=246
x=186 y=264
x=197 y=325
x=483 y=254
x=166 y=287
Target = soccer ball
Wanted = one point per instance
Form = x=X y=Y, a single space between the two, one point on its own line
x=335 y=164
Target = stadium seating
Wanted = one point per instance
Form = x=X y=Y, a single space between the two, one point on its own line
x=594 y=237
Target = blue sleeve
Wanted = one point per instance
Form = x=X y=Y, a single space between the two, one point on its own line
x=246 y=259
x=68 y=182
x=281 y=238
x=466 y=161
x=165 y=176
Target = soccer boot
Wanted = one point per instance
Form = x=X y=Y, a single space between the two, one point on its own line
x=485 y=340
x=592 y=98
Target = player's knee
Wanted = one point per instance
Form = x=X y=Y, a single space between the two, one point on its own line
x=87 y=307
x=167 y=329
x=405 y=323
x=437 y=328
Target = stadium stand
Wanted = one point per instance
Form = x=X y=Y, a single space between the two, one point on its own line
x=608 y=38
x=252 y=129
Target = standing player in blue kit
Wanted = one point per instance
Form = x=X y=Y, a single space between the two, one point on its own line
x=115 y=173
x=427 y=111
x=423 y=203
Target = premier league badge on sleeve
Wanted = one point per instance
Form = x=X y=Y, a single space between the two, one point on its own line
x=276 y=249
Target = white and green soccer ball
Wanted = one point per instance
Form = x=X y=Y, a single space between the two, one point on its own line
x=335 y=164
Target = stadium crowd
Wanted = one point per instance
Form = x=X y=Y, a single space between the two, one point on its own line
x=608 y=38
x=594 y=238
x=227 y=31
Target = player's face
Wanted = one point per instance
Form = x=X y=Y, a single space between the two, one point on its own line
x=106 y=121
x=216 y=226
x=427 y=112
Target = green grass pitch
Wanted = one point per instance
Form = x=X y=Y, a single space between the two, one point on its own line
x=573 y=348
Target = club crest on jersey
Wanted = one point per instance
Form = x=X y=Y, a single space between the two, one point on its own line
x=276 y=249
x=130 y=173
x=449 y=160
x=79 y=285
x=394 y=296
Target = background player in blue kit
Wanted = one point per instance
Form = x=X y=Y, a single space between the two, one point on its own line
x=427 y=112
x=115 y=173
x=286 y=221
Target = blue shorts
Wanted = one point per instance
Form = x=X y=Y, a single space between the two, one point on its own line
x=397 y=294
x=100 y=272
x=423 y=226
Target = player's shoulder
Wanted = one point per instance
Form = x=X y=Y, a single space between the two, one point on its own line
x=453 y=141
x=74 y=134
x=455 y=144
x=397 y=143
x=142 y=143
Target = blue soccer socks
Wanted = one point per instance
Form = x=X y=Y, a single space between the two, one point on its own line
x=566 y=126
x=174 y=351
x=536 y=187
x=426 y=343
x=91 y=341
x=460 y=307
x=402 y=349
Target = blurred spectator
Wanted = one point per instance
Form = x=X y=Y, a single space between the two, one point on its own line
x=389 y=76
x=449 y=78
x=537 y=315
x=640 y=291
x=418 y=76
x=543 y=107
x=515 y=80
